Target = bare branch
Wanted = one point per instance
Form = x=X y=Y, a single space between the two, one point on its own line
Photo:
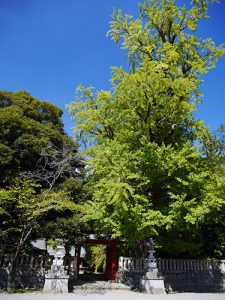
x=54 y=163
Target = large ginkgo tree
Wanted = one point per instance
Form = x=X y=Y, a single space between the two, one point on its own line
x=155 y=170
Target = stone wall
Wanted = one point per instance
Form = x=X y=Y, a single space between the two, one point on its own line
x=195 y=281
x=25 y=277
x=179 y=275
x=30 y=271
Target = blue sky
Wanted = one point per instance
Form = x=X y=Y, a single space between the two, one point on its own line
x=49 y=47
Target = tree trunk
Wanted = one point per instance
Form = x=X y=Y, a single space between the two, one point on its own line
x=12 y=270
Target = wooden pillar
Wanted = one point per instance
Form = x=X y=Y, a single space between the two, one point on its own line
x=114 y=261
x=108 y=261
x=111 y=261
x=77 y=254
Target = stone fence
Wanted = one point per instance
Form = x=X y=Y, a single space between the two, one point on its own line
x=180 y=275
x=30 y=270
x=165 y=265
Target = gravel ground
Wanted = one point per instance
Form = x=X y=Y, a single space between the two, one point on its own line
x=111 y=295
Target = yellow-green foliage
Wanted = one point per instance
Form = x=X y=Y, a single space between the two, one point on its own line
x=22 y=208
x=96 y=257
x=150 y=167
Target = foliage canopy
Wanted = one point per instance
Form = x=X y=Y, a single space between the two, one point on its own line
x=155 y=170
x=41 y=178
x=27 y=127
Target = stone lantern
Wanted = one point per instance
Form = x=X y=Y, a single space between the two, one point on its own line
x=56 y=279
x=151 y=263
x=152 y=282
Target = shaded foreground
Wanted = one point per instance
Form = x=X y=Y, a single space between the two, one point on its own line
x=114 y=295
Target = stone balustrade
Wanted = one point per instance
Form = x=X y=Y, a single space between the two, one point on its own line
x=165 y=265
x=37 y=262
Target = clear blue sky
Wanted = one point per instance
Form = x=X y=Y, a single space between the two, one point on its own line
x=49 y=47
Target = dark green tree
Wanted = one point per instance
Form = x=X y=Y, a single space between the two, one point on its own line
x=27 y=127
x=41 y=178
